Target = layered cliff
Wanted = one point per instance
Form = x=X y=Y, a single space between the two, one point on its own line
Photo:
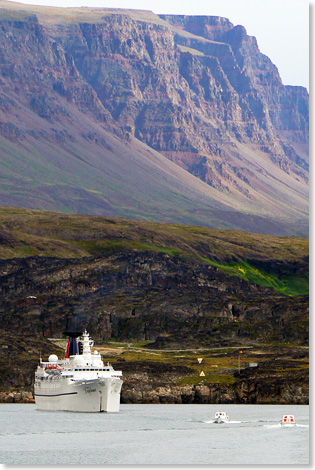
x=127 y=113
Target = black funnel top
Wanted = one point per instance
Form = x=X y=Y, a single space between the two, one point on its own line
x=73 y=334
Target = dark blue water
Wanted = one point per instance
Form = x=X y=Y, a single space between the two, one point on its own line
x=154 y=434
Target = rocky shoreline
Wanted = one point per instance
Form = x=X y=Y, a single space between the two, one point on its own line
x=16 y=397
x=245 y=392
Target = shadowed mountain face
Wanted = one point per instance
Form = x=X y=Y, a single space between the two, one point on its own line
x=168 y=118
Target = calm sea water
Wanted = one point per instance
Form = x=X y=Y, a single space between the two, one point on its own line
x=154 y=434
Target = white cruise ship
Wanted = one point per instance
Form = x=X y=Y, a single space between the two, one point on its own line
x=79 y=382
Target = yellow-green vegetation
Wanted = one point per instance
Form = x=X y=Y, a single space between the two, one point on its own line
x=218 y=365
x=101 y=247
x=47 y=14
x=13 y=14
x=190 y=50
x=209 y=378
x=216 y=369
x=290 y=285
x=40 y=233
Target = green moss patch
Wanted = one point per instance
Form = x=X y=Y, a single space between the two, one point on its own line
x=101 y=247
x=289 y=285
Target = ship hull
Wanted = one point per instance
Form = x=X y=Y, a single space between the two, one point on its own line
x=89 y=396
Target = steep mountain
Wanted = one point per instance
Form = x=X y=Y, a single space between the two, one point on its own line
x=167 y=118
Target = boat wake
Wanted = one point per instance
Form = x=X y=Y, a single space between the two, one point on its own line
x=211 y=421
x=265 y=421
x=286 y=426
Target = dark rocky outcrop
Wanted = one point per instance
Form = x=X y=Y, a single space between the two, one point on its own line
x=142 y=296
x=256 y=391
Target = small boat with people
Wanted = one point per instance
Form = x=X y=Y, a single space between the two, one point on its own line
x=221 y=417
x=288 y=420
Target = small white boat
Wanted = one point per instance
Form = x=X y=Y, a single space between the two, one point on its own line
x=288 y=420
x=221 y=417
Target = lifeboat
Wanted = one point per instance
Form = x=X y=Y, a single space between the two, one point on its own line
x=52 y=366
x=221 y=417
x=288 y=420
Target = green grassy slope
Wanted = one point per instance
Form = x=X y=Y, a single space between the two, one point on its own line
x=277 y=262
x=49 y=14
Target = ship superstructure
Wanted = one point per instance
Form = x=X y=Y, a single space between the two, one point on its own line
x=79 y=382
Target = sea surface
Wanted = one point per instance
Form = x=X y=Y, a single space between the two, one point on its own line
x=154 y=434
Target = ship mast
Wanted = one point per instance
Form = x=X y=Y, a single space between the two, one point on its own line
x=87 y=343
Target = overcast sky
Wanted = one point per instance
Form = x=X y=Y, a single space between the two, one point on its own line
x=280 y=26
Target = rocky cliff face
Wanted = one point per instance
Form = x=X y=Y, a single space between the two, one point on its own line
x=194 y=97
x=195 y=89
x=156 y=297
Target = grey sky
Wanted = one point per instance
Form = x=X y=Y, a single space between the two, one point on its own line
x=280 y=26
